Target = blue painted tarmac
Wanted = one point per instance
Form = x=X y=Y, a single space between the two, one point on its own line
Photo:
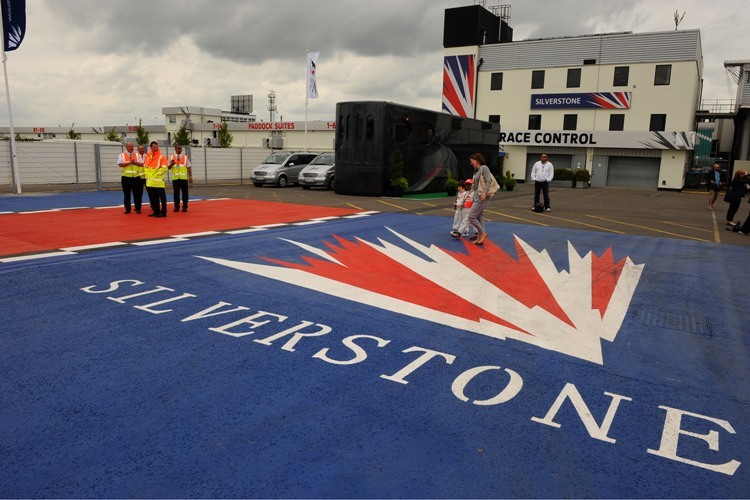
x=376 y=357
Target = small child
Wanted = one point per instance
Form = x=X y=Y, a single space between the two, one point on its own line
x=462 y=204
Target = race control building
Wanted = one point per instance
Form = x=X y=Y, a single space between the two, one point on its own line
x=622 y=105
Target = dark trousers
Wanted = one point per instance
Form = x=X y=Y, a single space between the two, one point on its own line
x=180 y=185
x=158 y=198
x=732 y=210
x=134 y=186
x=542 y=187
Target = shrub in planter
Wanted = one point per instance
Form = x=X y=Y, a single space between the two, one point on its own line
x=399 y=183
x=509 y=181
x=583 y=175
x=564 y=174
x=451 y=184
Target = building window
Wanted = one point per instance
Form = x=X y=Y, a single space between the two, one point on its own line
x=570 y=122
x=617 y=122
x=537 y=79
x=658 y=123
x=663 y=74
x=496 y=81
x=172 y=119
x=621 y=76
x=535 y=122
x=574 y=78
x=494 y=119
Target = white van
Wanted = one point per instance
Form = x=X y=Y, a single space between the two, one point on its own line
x=280 y=168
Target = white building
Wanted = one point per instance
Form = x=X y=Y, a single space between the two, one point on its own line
x=622 y=105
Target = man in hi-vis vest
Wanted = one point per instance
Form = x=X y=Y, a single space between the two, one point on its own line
x=131 y=179
x=182 y=175
x=155 y=166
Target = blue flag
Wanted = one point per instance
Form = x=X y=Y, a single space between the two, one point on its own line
x=14 y=23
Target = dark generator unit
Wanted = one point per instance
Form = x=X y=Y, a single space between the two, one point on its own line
x=370 y=134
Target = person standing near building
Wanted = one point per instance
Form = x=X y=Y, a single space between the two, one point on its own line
x=155 y=166
x=130 y=179
x=182 y=175
x=715 y=183
x=734 y=195
x=542 y=174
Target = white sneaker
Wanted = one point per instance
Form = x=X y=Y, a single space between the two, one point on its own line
x=549 y=209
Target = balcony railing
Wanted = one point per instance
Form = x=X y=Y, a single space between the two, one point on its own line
x=719 y=106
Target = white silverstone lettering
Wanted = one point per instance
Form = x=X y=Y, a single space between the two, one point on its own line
x=400 y=376
x=150 y=307
x=359 y=353
x=122 y=300
x=208 y=312
x=250 y=320
x=296 y=335
x=512 y=388
x=557 y=101
x=595 y=431
x=114 y=285
x=671 y=435
x=468 y=381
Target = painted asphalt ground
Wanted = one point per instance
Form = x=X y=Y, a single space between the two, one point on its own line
x=202 y=368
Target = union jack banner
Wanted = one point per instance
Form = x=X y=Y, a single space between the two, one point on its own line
x=459 y=77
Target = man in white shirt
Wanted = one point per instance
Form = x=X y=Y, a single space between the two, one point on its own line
x=542 y=173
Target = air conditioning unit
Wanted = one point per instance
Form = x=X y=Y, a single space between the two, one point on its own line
x=215 y=143
x=277 y=142
x=266 y=142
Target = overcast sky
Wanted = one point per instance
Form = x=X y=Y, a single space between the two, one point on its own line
x=104 y=63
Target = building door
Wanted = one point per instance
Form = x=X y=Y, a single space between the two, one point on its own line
x=633 y=172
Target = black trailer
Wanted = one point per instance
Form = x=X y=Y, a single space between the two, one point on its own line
x=369 y=134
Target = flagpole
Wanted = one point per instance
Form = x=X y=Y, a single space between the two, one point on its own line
x=13 y=160
x=307 y=71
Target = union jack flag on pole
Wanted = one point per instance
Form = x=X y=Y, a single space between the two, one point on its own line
x=14 y=23
x=312 y=66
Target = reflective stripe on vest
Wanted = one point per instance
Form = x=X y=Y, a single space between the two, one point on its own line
x=131 y=170
x=156 y=169
x=179 y=169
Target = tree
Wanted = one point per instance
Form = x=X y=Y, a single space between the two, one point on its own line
x=225 y=136
x=142 y=134
x=113 y=136
x=182 y=136
x=72 y=133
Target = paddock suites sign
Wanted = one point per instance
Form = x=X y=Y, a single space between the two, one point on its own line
x=599 y=139
x=546 y=363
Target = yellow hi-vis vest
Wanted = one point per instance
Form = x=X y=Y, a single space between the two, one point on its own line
x=132 y=169
x=179 y=169
x=156 y=168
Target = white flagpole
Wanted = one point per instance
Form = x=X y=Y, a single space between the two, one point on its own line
x=13 y=161
x=307 y=91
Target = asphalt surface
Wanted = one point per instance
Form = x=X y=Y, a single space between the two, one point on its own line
x=664 y=214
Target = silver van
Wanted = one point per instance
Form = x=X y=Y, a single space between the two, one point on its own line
x=280 y=168
x=319 y=172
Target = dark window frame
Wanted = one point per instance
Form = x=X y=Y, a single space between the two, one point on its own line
x=663 y=77
x=574 y=78
x=658 y=122
x=496 y=81
x=535 y=122
x=537 y=79
x=621 y=76
x=613 y=119
x=567 y=119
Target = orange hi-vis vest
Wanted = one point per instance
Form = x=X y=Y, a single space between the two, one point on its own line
x=132 y=169
x=180 y=167
x=155 y=166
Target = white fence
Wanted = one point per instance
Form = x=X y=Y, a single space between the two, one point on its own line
x=72 y=163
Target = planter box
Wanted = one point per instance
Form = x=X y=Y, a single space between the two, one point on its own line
x=581 y=185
